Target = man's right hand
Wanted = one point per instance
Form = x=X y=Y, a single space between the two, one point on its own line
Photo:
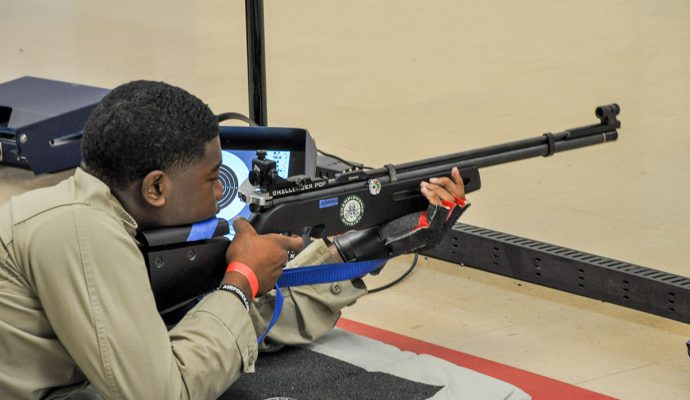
x=264 y=254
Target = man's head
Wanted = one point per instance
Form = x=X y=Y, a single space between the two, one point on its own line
x=156 y=146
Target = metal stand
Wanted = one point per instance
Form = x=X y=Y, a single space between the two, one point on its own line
x=256 y=61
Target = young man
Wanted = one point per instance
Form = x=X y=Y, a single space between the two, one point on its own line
x=76 y=304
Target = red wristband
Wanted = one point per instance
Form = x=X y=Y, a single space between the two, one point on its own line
x=247 y=273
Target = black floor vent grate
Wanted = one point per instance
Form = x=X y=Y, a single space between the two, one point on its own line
x=633 y=286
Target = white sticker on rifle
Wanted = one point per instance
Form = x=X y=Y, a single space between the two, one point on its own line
x=374 y=186
x=351 y=210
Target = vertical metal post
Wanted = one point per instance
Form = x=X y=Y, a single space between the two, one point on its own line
x=256 y=61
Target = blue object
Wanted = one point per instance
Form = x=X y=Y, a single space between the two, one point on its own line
x=203 y=230
x=316 y=274
x=325 y=203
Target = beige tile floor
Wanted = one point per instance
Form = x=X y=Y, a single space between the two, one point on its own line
x=394 y=81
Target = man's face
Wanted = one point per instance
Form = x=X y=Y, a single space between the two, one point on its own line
x=196 y=190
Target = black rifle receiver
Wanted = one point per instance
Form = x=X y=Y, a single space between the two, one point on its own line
x=181 y=270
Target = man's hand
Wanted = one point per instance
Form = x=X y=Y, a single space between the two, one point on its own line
x=411 y=232
x=439 y=189
x=263 y=254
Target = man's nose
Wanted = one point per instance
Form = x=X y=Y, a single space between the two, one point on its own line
x=219 y=190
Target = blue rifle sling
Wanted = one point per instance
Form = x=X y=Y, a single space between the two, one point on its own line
x=316 y=274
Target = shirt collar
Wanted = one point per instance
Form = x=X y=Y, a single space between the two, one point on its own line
x=98 y=194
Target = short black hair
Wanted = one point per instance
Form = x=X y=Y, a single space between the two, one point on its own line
x=142 y=126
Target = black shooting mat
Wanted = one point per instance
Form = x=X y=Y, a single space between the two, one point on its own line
x=301 y=374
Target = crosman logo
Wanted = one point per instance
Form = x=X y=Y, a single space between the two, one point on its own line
x=351 y=210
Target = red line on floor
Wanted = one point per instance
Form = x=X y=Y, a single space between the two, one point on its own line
x=538 y=386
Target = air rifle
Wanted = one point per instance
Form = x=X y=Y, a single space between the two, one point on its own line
x=187 y=261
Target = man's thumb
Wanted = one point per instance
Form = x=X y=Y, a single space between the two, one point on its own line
x=242 y=226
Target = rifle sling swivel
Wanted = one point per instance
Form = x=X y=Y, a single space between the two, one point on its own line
x=392 y=174
x=551 y=142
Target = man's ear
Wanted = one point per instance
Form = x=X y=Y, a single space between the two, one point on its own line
x=155 y=187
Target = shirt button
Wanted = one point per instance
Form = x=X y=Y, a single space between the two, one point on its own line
x=336 y=288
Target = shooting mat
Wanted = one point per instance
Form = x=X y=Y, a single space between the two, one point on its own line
x=343 y=365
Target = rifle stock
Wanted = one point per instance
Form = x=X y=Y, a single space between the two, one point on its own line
x=181 y=269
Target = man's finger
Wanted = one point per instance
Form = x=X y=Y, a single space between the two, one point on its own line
x=455 y=173
x=292 y=243
x=242 y=226
x=449 y=185
x=435 y=194
x=429 y=194
x=457 y=178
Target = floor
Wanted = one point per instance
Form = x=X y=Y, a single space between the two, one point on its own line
x=395 y=81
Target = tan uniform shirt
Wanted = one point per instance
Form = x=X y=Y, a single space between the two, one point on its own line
x=76 y=305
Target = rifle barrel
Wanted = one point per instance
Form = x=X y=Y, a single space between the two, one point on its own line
x=511 y=151
x=493 y=155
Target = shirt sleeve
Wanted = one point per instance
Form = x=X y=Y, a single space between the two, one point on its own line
x=92 y=282
x=308 y=311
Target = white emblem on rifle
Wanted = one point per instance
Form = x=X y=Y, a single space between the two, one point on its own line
x=351 y=210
